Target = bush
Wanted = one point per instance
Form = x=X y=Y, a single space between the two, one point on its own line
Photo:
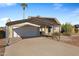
x=66 y=29
x=56 y=33
x=2 y=34
x=67 y=34
x=76 y=30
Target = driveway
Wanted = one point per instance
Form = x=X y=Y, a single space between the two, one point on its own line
x=41 y=46
x=2 y=47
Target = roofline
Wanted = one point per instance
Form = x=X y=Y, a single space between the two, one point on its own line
x=16 y=22
x=26 y=20
x=46 y=17
x=57 y=21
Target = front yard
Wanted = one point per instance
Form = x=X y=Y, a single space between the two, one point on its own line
x=73 y=40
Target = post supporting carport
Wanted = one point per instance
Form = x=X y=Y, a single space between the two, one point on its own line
x=59 y=31
x=9 y=34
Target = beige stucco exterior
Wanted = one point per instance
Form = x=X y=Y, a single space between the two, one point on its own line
x=9 y=32
x=45 y=30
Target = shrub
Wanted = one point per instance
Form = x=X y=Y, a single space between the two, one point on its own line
x=76 y=30
x=66 y=29
x=55 y=35
x=2 y=34
x=67 y=34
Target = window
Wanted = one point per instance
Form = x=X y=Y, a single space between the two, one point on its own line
x=49 y=29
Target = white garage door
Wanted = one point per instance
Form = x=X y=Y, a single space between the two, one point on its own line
x=26 y=31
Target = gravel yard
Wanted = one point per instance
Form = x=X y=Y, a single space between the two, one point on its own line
x=73 y=40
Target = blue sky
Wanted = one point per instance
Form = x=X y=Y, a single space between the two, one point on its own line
x=64 y=12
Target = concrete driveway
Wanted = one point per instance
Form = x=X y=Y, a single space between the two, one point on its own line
x=41 y=46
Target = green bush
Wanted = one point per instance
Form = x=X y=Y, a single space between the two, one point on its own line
x=67 y=29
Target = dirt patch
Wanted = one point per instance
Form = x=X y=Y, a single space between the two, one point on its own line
x=74 y=40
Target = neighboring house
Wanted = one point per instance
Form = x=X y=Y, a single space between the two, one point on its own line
x=3 y=28
x=76 y=28
x=32 y=27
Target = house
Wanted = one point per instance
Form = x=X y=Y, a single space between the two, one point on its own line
x=76 y=28
x=3 y=28
x=32 y=27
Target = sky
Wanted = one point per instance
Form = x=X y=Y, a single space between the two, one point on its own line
x=64 y=12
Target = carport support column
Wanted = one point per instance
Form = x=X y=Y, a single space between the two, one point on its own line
x=53 y=28
x=10 y=34
x=45 y=30
x=59 y=31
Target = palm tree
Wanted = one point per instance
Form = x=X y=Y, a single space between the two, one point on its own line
x=24 y=5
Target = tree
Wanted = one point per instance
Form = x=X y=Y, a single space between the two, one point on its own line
x=24 y=5
x=67 y=28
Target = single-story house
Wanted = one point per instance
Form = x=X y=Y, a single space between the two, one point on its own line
x=32 y=27
x=76 y=28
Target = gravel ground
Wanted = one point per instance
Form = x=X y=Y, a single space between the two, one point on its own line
x=73 y=40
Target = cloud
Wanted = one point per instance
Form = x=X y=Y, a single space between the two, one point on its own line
x=3 y=21
x=73 y=16
x=7 y=4
x=57 y=6
x=75 y=12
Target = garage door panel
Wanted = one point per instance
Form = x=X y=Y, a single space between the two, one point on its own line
x=26 y=31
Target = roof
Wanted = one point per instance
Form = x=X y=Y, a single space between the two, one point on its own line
x=44 y=20
x=36 y=20
x=76 y=26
